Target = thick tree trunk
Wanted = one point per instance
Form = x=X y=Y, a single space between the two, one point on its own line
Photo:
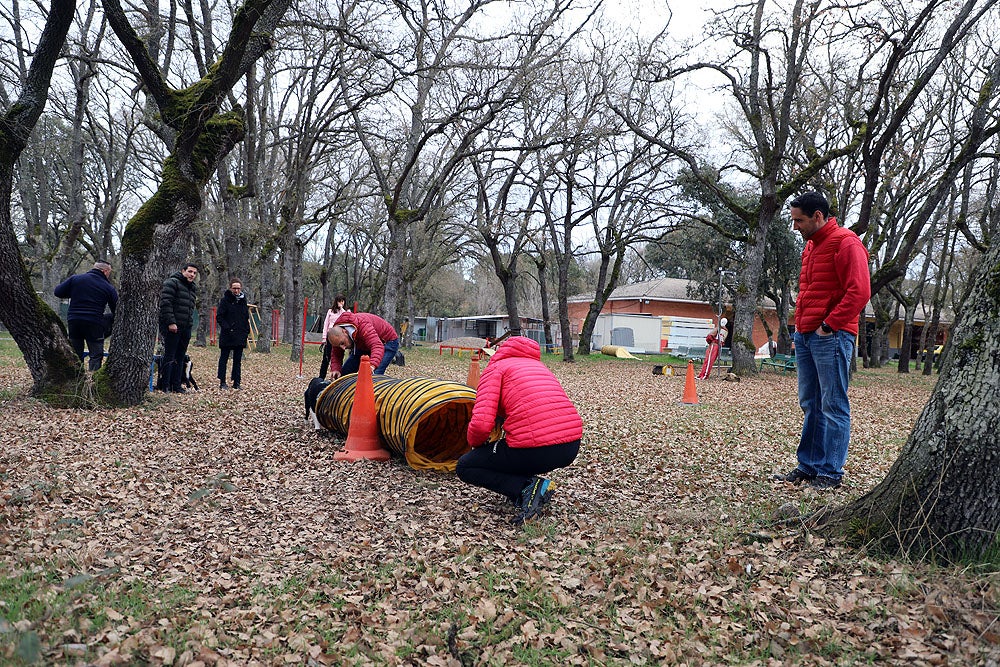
x=57 y=373
x=942 y=496
x=37 y=330
x=746 y=299
x=146 y=244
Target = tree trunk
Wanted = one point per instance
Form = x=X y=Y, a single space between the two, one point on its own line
x=605 y=285
x=149 y=237
x=39 y=333
x=544 y=295
x=266 y=300
x=296 y=294
x=394 y=271
x=55 y=369
x=907 y=344
x=745 y=300
x=942 y=496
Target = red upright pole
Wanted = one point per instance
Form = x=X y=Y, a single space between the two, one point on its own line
x=302 y=343
x=211 y=325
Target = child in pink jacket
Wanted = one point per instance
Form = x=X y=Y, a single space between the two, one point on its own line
x=542 y=428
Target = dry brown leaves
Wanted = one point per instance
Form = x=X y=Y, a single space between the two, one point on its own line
x=656 y=550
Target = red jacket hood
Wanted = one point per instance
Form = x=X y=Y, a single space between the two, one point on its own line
x=518 y=346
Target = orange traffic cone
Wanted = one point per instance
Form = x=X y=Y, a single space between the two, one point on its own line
x=690 y=393
x=473 y=380
x=362 y=433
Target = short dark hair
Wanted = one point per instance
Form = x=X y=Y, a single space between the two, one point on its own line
x=235 y=280
x=189 y=264
x=340 y=297
x=810 y=202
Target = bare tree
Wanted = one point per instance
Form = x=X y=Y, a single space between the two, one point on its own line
x=55 y=369
x=202 y=135
x=762 y=77
x=427 y=73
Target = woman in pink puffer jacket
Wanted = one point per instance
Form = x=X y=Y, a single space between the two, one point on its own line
x=542 y=429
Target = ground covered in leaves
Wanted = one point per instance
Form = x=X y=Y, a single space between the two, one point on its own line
x=215 y=528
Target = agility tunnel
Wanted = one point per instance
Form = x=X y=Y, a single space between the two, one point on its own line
x=616 y=351
x=421 y=419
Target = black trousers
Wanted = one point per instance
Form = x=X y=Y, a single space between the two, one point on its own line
x=91 y=333
x=507 y=470
x=175 y=346
x=325 y=364
x=237 y=363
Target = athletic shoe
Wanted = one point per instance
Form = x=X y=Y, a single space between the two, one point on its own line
x=821 y=483
x=534 y=497
x=794 y=476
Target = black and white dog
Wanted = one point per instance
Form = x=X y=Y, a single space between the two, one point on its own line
x=315 y=388
x=187 y=378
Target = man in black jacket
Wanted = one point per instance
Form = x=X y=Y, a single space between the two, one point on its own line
x=177 y=307
x=233 y=318
x=88 y=293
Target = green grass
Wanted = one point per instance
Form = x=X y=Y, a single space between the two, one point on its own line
x=84 y=603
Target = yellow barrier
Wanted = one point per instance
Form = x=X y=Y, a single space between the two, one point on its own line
x=421 y=419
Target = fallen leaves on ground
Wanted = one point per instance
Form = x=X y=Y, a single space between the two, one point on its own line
x=215 y=528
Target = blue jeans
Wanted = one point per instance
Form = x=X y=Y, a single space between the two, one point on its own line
x=823 y=365
x=353 y=362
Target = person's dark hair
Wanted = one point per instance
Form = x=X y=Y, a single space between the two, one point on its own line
x=235 y=280
x=811 y=202
x=340 y=297
x=189 y=264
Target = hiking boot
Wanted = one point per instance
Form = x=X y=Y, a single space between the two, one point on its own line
x=534 y=497
x=236 y=386
x=794 y=476
x=223 y=385
x=822 y=483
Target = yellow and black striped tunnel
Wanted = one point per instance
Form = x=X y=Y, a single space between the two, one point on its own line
x=421 y=419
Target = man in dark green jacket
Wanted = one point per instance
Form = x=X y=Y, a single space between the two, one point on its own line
x=177 y=306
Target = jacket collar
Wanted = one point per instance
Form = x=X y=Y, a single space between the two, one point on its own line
x=824 y=231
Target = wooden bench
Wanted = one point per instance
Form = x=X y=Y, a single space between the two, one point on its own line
x=784 y=362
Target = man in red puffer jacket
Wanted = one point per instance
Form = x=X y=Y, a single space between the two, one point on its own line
x=542 y=428
x=362 y=334
x=834 y=287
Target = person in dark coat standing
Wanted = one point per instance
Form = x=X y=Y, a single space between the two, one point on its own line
x=233 y=318
x=177 y=307
x=89 y=293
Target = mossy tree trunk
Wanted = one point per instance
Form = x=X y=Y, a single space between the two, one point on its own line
x=942 y=496
x=204 y=136
x=56 y=371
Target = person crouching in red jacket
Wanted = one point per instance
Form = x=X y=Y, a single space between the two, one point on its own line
x=542 y=428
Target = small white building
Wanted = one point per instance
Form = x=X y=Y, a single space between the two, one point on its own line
x=485 y=326
x=650 y=334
